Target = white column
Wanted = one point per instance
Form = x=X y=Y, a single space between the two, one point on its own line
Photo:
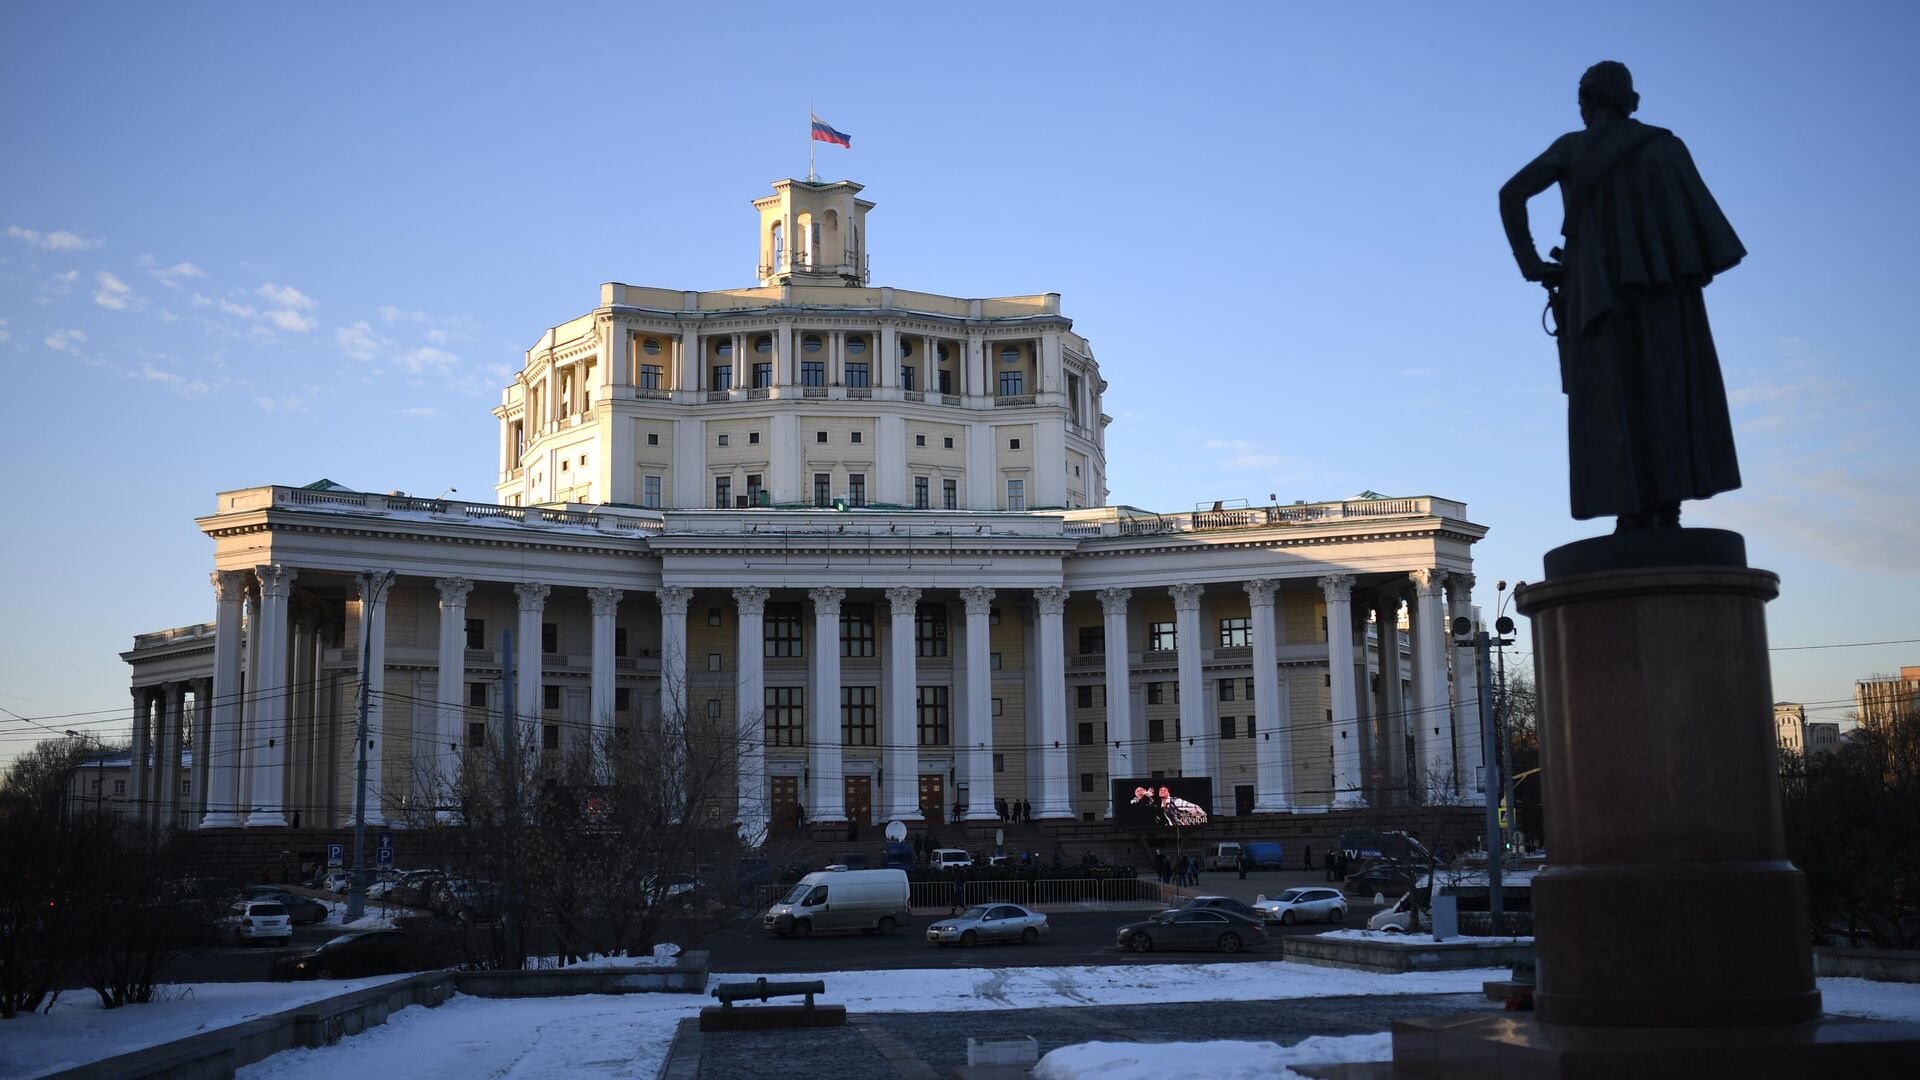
x=374 y=587
x=605 y=603
x=978 y=738
x=173 y=706
x=689 y=379
x=450 y=714
x=223 y=788
x=270 y=736
x=750 y=709
x=299 y=718
x=1392 y=728
x=673 y=657
x=141 y=758
x=1432 y=719
x=252 y=686
x=1338 y=589
x=1055 y=747
x=1273 y=752
x=1466 y=742
x=1193 y=691
x=902 y=739
x=1126 y=751
x=886 y=361
x=826 y=791
x=532 y=598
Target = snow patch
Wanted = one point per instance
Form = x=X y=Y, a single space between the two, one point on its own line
x=1222 y=1060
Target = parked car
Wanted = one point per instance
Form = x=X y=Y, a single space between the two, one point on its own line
x=949 y=858
x=1222 y=903
x=385 y=882
x=337 y=882
x=899 y=855
x=260 y=920
x=1312 y=904
x=415 y=890
x=864 y=900
x=464 y=900
x=1367 y=845
x=1203 y=928
x=1383 y=877
x=1266 y=855
x=990 y=922
x=371 y=952
x=301 y=909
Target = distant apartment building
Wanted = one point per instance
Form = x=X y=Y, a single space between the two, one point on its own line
x=1882 y=698
x=1790 y=726
x=1822 y=738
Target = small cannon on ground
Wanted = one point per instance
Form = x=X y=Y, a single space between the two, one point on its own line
x=727 y=1018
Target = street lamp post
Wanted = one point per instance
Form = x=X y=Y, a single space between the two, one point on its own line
x=1464 y=634
x=1506 y=711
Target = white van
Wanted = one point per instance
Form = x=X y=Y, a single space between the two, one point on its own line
x=1223 y=856
x=949 y=858
x=863 y=900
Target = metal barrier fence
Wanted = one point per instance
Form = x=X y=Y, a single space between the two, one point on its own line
x=1045 y=892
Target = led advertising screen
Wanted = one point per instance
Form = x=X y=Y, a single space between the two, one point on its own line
x=1145 y=803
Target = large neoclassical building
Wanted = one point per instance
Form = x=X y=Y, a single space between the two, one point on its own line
x=869 y=529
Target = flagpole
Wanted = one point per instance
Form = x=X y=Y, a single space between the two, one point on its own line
x=811 y=175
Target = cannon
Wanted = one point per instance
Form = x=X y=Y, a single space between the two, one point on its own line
x=760 y=990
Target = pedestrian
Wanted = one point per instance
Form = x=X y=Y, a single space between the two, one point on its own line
x=1243 y=861
x=958 y=806
x=1330 y=864
x=799 y=816
x=956 y=897
x=1026 y=810
x=853 y=828
x=1306 y=861
x=1162 y=867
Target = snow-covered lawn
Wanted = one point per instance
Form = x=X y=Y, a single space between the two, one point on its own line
x=1222 y=1060
x=1422 y=939
x=78 y=1030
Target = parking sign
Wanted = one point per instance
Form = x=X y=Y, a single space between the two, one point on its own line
x=336 y=855
x=384 y=841
x=385 y=856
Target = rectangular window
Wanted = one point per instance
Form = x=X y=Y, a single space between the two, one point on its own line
x=1083 y=696
x=1086 y=785
x=650 y=492
x=477 y=695
x=753 y=438
x=946 y=381
x=762 y=375
x=1226 y=689
x=950 y=494
x=856 y=489
x=649 y=376
x=722 y=440
x=949 y=442
x=813 y=373
x=1160 y=637
x=935 y=722
x=476 y=633
x=993 y=616
x=754 y=492
x=549 y=696
x=1228 y=729
x=722 y=492
x=786 y=708
x=819 y=436
x=549 y=736
x=822 y=489
x=119 y=787
x=856 y=629
x=1016 y=494
x=993 y=661
x=783 y=630
x=713 y=708
x=1086 y=734
x=997 y=706
x=1248 y=687
x=1236 y=633
x=919 y=440
x=619 y=641
x=476 y=735
x=859 y=720
x=1249 y=727
x=857 y=373
x=549 y=637
x=715 y=618
x=653 y=438
x=906 y=383
x=1093 y=640
x=1154 y=694
x=1156 y=729
x=919 y=493
x=999 y=763
x=722 y=377
x=622 y=698
x=1010 y=383
x=930 y=630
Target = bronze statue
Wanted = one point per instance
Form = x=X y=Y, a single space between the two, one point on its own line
x=1647 y=422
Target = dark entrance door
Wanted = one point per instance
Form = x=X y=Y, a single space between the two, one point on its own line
x=933 y=798
x=786 y=800
x=1243 y=799
x=860 y=799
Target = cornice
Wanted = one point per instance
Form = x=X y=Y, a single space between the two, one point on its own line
x=531 y=539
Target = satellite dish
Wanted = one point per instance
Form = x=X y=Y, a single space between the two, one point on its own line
x=999 y=838
x=896 y=831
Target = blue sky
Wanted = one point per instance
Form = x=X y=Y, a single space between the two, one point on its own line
x=250 y=244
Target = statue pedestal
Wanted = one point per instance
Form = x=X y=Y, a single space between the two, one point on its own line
x=1669 y=921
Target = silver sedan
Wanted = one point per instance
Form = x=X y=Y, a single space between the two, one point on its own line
x=989 y=922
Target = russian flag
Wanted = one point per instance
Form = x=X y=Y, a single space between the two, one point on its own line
x=823 y=132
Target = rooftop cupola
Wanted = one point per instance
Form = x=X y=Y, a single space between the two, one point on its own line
x=813 y=233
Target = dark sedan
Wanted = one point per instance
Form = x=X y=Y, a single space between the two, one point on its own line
x=372 y=952
x=302 y=909
x=1192 y=928
x=1223 y=903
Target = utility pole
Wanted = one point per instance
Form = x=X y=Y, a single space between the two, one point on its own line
x=1482 y=642
x=369 y=610
x=510 y=792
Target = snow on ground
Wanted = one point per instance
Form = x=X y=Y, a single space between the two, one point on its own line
x=1874 y=1000
x=1222 y=1060
x=1420 y=939
x=78 y=1030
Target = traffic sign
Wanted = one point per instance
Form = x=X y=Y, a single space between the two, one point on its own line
x=385 y=856
x=384 y=841
x=336 y=855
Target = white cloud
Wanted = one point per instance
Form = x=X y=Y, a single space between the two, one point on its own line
x=113 y=293
x=172 y=380
x=4 y=333
x=419 y=412
x=67 y=278
x=289 y=306
x=358 y=340
x=286 y=296
x=171 y=276
x=58 y=240
x=66 y=341
x=424 y=360
x=390 y=313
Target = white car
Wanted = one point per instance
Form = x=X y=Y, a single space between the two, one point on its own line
x=261 y=920
x=1312 y=904
x=949 y=858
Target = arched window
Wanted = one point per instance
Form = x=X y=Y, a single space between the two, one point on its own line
x=779 y=246
x=804 y=243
